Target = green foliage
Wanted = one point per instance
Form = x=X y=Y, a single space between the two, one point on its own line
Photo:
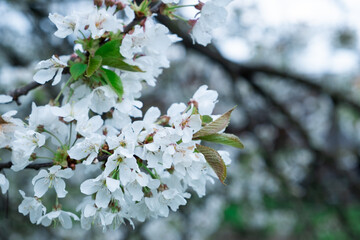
x=224 y=138
x=110 y=54
x=110 y=49
x=93 y=65
x=77 y=70
x=114 y=81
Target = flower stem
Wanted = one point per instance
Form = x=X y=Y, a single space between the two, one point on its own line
x=149 y=171
x=53 y=135
x=180 y=18
x=46 y=147
x=56 y=101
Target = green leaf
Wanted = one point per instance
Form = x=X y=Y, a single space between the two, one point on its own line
x=110 y=49
x=223 y=138
x=114 y=81
x=120 y=64
x=93 y=65
x=215 y=126
x=110 y=53
x=77 y=70
x=215 y=161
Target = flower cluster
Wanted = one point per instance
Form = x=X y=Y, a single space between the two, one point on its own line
x=147 y=166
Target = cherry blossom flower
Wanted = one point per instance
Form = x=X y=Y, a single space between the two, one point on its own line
x=31 y=206
x=45 y=180
x=51 y=68
x=213 y=15
x=63 y=217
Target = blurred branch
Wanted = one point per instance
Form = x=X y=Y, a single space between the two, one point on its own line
x=240 y=69
x=23 y=91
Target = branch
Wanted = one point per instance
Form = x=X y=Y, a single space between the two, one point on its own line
x=23 y=91
x=101 y=158
x=35 y=166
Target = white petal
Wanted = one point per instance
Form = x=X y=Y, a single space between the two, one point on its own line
x=151 y=115
x=112 y=184
x=44 y=75
x=42 y=174
x=5 y=98
x=102 y=198
x=59 y=186
x=57 y=77
x=89 y=187
x=41 y=186
x=66 y=173
x=65 y=220
x=89 y=210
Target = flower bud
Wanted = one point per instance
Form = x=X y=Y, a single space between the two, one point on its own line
x=119 y=5
x=109 y=3
x=98 y=3
x=199 y=6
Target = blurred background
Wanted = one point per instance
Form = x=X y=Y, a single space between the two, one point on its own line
x=292 y=69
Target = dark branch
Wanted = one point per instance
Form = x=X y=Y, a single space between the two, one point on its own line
x=101 y=158
x=23 y=91
x=35 y=166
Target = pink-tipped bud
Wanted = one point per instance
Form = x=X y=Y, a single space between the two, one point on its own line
x=199 y=6
x=119 y=5
x=192 y=22
x=98 y=3
x=109 y=3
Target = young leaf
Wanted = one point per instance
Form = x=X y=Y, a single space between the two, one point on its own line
x=120 y=64
x=77 y=70
x=114 y=81
x=93 y=65
x=223 y=138
x=215 y=126
x=215 y=161
x=110 y=49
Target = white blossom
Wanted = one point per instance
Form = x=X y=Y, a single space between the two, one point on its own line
x=205 y=99
x=213 y=15
x=45 y=180
x=66 y=25
x=51 y=68
x=31 y=206
x=63 y=217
